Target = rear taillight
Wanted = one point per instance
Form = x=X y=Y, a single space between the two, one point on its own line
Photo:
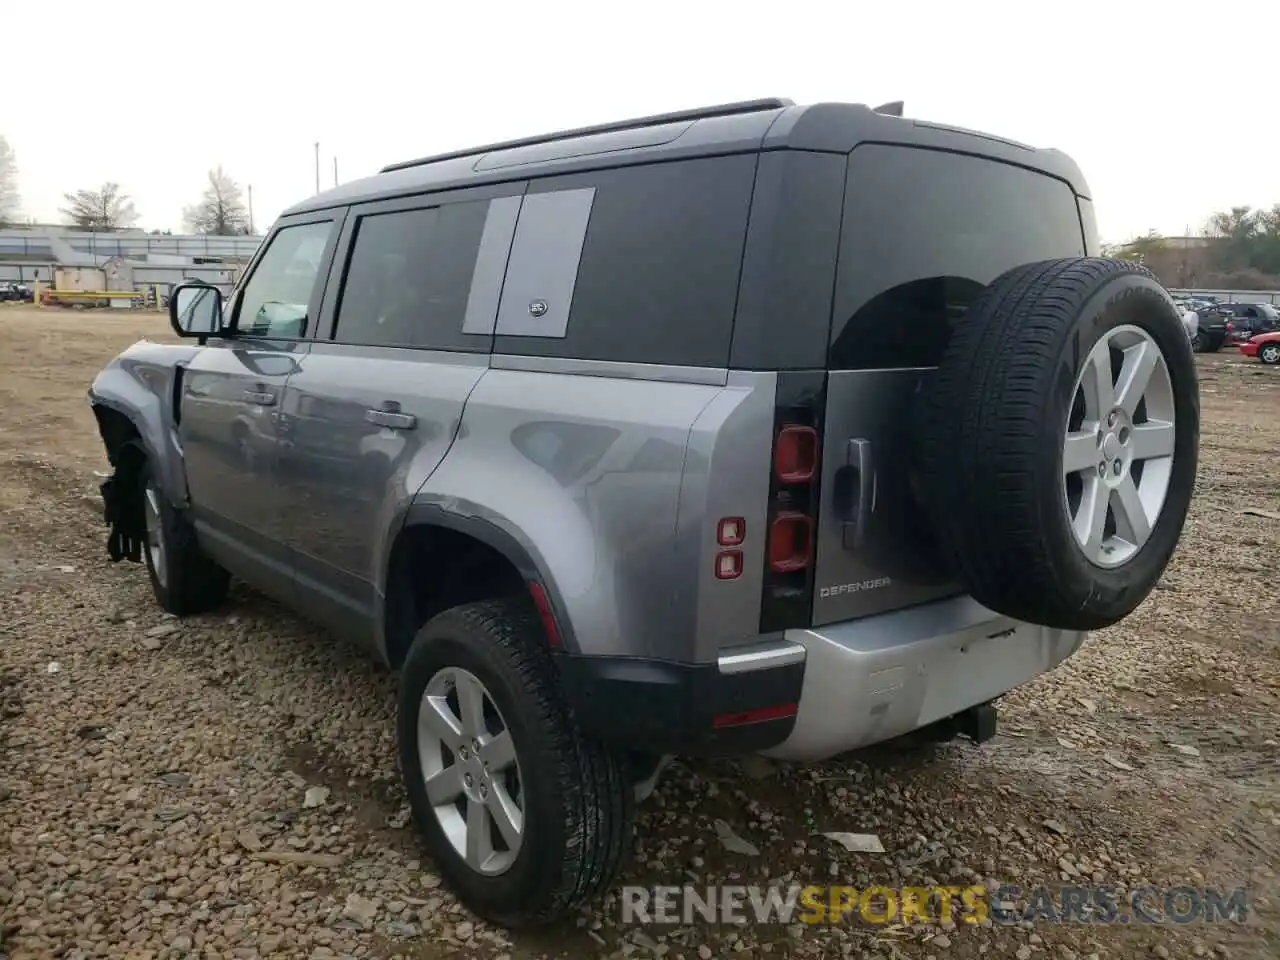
x=790 y=542
x=731 y=531
x=795 y=454
x=791 y=524
x=728 y=564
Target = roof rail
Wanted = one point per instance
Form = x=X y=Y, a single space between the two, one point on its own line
x=701 y=113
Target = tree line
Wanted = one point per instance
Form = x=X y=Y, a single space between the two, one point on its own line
x=1237 y=249
x=221 y=209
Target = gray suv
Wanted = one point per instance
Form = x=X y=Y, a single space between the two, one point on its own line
x=759 y=428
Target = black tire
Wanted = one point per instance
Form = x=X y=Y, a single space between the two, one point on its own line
x=1215 y=344
x=189 y=581
x=993 y=420
x=578 y=796
x=1200 y=343
x=1269 y=353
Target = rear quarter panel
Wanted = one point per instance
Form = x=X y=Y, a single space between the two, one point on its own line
x=584 y=472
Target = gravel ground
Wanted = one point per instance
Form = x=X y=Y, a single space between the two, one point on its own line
x=227 y=786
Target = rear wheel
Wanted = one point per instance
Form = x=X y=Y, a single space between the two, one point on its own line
x=1060 y=439
x=1200 y=343
x=1269 y=353
x=526 y=817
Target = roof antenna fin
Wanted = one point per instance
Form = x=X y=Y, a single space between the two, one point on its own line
x=891 y=109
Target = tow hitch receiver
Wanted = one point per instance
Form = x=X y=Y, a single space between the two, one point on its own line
x=121 y=514
x=978 y=723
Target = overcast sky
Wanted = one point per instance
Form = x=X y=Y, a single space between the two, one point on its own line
x=1170 y=110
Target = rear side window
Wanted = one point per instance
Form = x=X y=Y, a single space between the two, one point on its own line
x=408 y=279
x=924 y=232
x=634 y=264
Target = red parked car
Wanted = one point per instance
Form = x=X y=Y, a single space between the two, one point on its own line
x=1265 y=346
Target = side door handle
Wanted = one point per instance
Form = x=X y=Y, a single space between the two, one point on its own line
x=855 y=493
x=261 y=397
x=389 y=416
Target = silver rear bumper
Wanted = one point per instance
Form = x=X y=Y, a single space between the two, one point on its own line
x=873 y=679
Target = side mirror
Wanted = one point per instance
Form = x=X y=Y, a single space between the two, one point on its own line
x=195 y=310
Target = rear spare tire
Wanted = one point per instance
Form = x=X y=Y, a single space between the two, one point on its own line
x=1059 y=439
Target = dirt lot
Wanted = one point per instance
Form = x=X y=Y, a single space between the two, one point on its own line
x=152 y=774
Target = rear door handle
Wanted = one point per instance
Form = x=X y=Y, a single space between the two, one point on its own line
x=263 y=398
x=389 y=416
x=855 y=493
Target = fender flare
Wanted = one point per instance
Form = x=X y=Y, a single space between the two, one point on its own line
x=434 y=514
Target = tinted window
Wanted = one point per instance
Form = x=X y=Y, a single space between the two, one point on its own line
x=278 y=293
x=656 y=272
x=924 y=231
x=409 y=276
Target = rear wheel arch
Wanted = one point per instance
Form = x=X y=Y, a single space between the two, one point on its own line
x=440 y=560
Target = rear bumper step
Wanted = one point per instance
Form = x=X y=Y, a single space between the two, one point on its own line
x=874 y=679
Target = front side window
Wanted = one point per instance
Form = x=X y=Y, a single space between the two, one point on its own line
x=277 y=295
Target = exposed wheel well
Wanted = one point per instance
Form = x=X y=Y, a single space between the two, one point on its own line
x=127 y=458
x=118 y=434
x=433 y=569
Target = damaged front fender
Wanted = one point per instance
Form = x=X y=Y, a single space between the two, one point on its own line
x=135 y=400
x=140 y=386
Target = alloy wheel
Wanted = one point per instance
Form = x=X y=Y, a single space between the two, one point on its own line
x=470 y=770
x=1117 y=457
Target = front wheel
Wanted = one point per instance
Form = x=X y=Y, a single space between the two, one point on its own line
x=183 y=579
x=526 y=817
x=1269 y=353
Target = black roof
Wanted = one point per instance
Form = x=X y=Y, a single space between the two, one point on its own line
x=772 y=124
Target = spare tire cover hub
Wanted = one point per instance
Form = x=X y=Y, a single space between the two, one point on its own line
x=1118 y=454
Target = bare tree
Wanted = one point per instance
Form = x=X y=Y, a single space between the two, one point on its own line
x=9 y=200
x=221 y=210
x=105 y=209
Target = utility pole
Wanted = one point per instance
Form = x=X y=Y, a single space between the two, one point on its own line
x=251 y=209
x=317 y=166
x=335 y=171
